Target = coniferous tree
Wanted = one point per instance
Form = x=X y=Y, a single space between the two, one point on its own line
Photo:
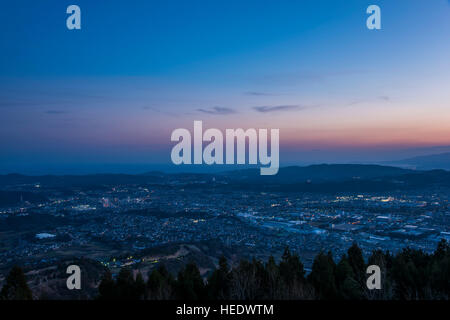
x=356 y=261
x=322 y=276
x=125 y=284
x=140 y=287
x=16 y=287
x=347 y=286
x=291 y=267
x=160 y=284
x=276 y=287
x=247 y=280
x=410 y=275
x=440 y=271
x=293 y=275
x=107 y=287
x=219 y=281
x=190 y=285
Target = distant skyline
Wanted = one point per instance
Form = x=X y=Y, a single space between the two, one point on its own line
x=112 y=92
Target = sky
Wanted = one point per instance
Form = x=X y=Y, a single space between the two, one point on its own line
x=108 y=96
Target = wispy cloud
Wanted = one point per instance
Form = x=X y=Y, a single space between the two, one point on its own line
x=167 y=113
x=258 y=93
x=267 y=109
x=8 y=103
x=303 y=76
x=56 y=112
x=355 y=102
x=217 y=110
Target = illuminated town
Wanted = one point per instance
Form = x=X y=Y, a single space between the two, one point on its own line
x=116 y=224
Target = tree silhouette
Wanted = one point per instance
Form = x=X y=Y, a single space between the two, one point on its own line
x=106 y=288
x=348 y=287
x=16 y=287
x=409 y=274
x=356 y=261
x=219 y=282
x=140 y=287
x=322 y=276
x=160 y=284
x=190 y=285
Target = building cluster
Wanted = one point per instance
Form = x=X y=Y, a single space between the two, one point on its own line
x=107 y=222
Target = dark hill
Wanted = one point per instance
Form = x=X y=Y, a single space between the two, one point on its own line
x=434 y=161
x=319 y=173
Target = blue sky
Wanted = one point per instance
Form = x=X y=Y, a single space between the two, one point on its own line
x=113 y=91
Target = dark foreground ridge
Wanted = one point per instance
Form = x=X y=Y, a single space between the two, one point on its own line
x=407 y=275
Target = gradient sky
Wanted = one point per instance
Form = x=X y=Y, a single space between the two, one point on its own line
x=112 y=92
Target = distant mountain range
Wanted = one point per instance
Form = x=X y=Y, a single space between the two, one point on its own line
x=286 y=175
x=314 y=178
x=428 y=162
x=319 y=173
